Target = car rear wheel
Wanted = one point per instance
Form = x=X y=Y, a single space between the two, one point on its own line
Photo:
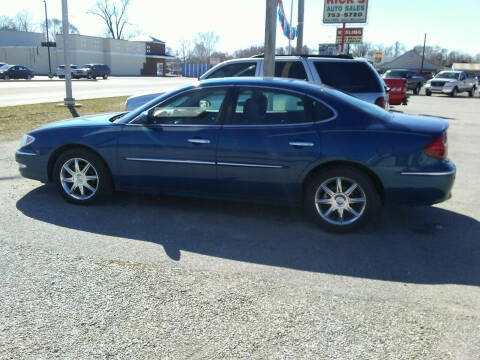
x=105 y=77
x=6 y=77
x=472 y=91
x=29 y=77
x=417 y=89
x=428 y=93
x=341 y=199
x=82 y=177
x=89 y=76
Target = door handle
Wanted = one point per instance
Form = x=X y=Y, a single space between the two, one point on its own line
x=301 y=144
x=199 y=141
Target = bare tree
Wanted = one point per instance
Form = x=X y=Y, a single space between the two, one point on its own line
x=114 y=15
x=184 y=51
x=20 y=22
x=247 y=52
x=55 y=27
x=361 y=50
x=7 y=23
x=204 y=45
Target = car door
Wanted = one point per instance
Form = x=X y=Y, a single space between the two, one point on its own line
x=267 y=141
x=15 y=72
x=172 y=147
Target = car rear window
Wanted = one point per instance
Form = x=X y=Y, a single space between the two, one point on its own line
x=353 y=77
x=290 y=69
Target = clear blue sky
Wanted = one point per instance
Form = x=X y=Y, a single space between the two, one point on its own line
x=453 y=24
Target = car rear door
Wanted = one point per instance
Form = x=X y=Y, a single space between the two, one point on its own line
x=265 y=144
x=174 y=151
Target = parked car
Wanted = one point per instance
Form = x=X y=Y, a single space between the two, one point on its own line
x=250 y=139
x=398 y=91
x=15 y=72
x=451 y=83
x=414 y=82
x=91 y=71
x=60 y=71
x=355 y=76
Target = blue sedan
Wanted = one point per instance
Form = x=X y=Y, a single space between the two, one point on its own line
x=250 y=139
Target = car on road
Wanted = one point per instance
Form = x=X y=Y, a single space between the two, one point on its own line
x=355 y=76
x=414 y=82
x=15 y=72
x=91 y=71
x=60 y=71
x=250 y=139
x=451 y=83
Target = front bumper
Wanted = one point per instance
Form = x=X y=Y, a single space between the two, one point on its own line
x=439 y=90
x=32 y=165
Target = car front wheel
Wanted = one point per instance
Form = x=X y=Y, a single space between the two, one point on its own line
x=454 y=92
x=82 y=177
x=105 y=77
x=472 y=91
x=341 y=199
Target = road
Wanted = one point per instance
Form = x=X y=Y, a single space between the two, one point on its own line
x=41 y=89
x=152 y=276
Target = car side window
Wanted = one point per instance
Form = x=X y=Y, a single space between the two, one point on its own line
x=290 y=69
x=198 y=107
x=269 y=107
x=235 y=69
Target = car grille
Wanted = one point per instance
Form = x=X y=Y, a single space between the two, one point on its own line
x=438 y=83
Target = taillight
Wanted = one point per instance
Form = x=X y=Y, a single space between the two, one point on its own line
x=380 y=102
x=437 y=148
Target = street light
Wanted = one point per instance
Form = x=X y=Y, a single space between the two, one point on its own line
x=48 y=42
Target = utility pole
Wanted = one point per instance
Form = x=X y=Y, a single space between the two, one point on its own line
x=69 y=100
x=270 y=37
x=48 y=41
x=301 y=12
x=290 y=30
x=423 y=53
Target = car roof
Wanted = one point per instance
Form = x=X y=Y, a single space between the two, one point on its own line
x=276 y=82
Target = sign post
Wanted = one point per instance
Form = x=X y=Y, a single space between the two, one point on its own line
x=343 y=39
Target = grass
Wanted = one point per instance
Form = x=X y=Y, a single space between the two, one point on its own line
x=17 y=120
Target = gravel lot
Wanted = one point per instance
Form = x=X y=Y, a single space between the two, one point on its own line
x=162 y=277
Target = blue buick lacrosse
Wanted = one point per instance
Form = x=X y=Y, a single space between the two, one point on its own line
x=250 y=139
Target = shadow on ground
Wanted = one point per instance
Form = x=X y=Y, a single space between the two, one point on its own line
x=419 y=245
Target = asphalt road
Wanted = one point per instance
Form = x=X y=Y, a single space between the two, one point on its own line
x=153 y=276
x=41 y=89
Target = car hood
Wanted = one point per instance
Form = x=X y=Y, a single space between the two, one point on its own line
x=418 y=123
x=443 y=79
x=83 y=121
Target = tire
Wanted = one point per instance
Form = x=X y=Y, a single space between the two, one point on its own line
x=105 y=76
x=6 y=77
x=29 y=77
x=319 y=203
x=454 y=92
x=417 y=89
x=428 y=93
x=97 y=177
x=89 y=76
x=472 y=91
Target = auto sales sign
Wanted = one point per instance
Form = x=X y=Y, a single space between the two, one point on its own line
x=345 y=11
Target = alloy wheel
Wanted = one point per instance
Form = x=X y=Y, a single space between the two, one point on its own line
x=340 y=201
x=79 y=179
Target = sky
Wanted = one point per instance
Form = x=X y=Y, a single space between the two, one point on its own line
x=452 y=24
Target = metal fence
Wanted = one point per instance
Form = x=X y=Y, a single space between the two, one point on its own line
x=194 y=70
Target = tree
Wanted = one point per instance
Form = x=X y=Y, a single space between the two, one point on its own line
x=204 y=44
x=184 y=51
x=114 y=14
x=20 y=22
x=248 y=52
x=361 y=50
x=55 y=27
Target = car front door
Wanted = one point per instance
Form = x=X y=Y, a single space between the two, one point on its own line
x=266 y=143
x=15 y=72
x=172 y=147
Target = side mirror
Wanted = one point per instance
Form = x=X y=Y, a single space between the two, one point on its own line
x=145 y=117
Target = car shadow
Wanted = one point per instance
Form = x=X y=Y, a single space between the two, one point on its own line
x=425 y=245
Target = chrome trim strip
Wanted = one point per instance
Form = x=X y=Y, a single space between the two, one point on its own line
x=250 y=165
x=171 y=161
x=439 y=173
x=25 y=153
x=199 y=141
x=301 y=144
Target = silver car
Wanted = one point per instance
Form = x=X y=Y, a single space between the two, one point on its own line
x=354 y=76
x=60 y=71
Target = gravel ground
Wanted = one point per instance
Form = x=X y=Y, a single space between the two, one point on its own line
x=161 y=277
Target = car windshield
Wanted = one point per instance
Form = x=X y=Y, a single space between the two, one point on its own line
x=448 y=75
x=5 y=67
x=395 y=74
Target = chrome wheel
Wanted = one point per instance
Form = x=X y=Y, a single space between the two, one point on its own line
x=79 y=179
x=340 y=201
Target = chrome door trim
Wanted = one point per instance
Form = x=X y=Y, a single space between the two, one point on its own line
x=25 y=153
x=220 y=163
x=438 y=173
x=199 y=141
x=301 y=143
x=172 y=161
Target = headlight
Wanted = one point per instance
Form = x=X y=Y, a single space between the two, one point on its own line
x=27 y=140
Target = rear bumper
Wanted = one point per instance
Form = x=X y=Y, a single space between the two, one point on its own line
x=423 y=187
x=32 y=165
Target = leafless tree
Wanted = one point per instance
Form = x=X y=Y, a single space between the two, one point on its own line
x=55 y=27
x=204 y=45
x=184 y=50
x=114 y=15
x=247 y=52
x=20 y=22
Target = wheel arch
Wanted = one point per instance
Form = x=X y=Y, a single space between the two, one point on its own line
x=61 y=149
x=330 y=164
